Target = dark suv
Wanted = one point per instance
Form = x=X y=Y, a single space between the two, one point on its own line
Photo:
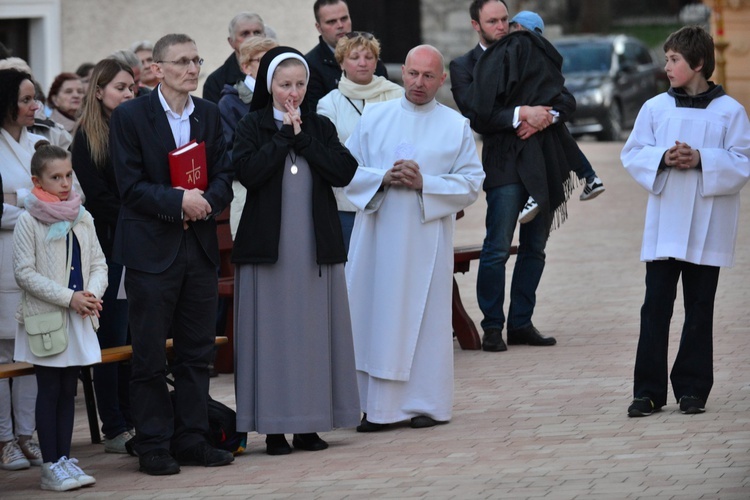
x=611 y=76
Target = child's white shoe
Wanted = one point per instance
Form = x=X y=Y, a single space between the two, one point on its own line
x=71 y=466
x=529 y=211
x=56 y=478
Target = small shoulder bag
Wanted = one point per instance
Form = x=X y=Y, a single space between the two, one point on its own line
x=48 y=332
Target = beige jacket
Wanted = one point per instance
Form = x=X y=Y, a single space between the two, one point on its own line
x=39 y=265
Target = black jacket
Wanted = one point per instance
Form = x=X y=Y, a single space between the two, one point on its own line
x=228 y=73
x=462 y=74
x=259 y=155
x=149 y=230
x=100 y=186
x=524 y=69
x=325 y=73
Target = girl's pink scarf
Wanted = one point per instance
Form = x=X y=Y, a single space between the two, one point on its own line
x=49 y=209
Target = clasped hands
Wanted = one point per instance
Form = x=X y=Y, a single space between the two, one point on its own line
x=682 y=156
x=85 y=304
x=194 y=206
x=533 y=119
x=404 y=173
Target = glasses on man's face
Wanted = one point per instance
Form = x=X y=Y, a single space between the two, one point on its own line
x=357 y=34
x=184 y=62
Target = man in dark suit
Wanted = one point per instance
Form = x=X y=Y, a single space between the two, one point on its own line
x=506 y=195
x=332 y=22
x=489 y=18
x=166 y=238
x=242 y=26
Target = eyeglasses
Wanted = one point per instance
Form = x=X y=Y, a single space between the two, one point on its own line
x=184 y=62
x=363 y=34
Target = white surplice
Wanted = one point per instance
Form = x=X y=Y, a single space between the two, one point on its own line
x=400 y=268
x=692 y=215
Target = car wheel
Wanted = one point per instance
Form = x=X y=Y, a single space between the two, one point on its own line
x=612 y=126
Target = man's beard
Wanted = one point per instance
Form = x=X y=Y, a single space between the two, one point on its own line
x=487 y=38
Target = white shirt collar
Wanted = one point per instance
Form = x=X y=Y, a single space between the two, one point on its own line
x=250 y=82
x=165 y=105
x=180 y=124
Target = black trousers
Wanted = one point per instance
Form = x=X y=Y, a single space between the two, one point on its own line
x=180 y=302
x=692 y=372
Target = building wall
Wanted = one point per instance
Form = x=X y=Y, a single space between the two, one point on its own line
x=45 y=29
x=446 y=24
x=92 y=29
x=737 y=53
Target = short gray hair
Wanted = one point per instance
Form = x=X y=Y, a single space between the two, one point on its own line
x=126 y=56
x=243 y=16
x=163 y=43
x=142 y=45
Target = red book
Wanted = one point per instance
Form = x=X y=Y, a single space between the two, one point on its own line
x=187 y=166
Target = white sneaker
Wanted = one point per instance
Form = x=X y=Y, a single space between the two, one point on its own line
x=31 y=451
x=117 y=443
x=13 y=458
x=529 y=211
x=71 y=467
x=56 y=478
x=592 y=189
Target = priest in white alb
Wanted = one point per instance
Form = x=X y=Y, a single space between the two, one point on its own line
x=418 y=167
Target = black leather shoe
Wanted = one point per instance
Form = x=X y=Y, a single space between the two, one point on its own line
x=423 y=421
x=529 y=335
x=204 y=454
x=276 y=444
x=493 y=341
x=158 y=463
x=367 y=426
x=309 y=442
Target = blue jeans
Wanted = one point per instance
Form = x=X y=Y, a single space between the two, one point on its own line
x=111 y=380
x=583 y=170
x=503 y=205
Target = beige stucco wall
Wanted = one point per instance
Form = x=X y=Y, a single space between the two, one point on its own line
x=737 y=34
x=92 y=29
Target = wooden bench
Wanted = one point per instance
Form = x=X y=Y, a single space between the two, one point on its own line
x=224 y=362
x=463 y=327
x=109 y=355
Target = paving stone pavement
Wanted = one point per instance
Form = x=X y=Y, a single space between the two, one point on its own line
x=532 y=422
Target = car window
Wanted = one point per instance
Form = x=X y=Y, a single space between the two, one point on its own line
x=643 y=56
x=636 y=54
x=585 y=57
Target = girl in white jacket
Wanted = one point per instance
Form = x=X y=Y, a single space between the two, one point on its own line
x=54 y=233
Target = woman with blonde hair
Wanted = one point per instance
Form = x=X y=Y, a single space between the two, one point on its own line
x=112 y=83
x=357 y=53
